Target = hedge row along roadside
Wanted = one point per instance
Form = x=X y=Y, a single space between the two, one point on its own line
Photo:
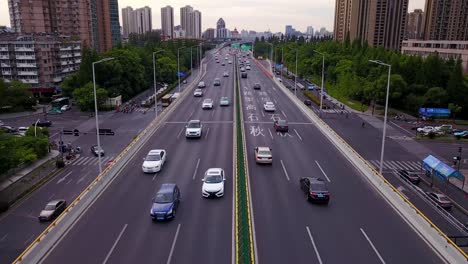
x=314 y=99
x=244 y=244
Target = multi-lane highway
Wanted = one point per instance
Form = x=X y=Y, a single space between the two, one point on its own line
x=118 y=228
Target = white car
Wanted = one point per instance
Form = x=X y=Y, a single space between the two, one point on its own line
x=198 y=93
x=213 y=183
x=225 y=74
x=230 y=61
x=193 y=129
x=247 y=67
x=263 y=155
x=154 y=161
x=207 y=104
x=201 y=84
x=425 y=129
x=65 y=108
x=22 y=131
x=269 y=107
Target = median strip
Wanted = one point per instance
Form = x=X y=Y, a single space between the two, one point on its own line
x=243 y=230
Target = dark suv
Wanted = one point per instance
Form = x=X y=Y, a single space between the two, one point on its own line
x=166 y=202
x=315 y=189
x=410 y=176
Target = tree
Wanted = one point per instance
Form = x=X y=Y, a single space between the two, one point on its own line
x=84 y=96
x=454 y=109
x=456 y=88
x=436 y=97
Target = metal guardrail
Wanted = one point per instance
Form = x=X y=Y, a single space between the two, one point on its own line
x=440 y=242
x=62 y=224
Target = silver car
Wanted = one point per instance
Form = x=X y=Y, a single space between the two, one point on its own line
x=52 y=210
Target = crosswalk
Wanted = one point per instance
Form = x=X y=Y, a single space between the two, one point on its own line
x=397 y=165
x=89 y=161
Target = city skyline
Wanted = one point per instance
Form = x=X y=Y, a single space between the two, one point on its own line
x=242 y=14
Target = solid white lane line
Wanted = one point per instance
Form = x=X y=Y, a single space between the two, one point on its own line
x=29 y=239
x=196 y=169
x=324 y=174
x=173 y=245
x=180 y=132
x=372 y=245
x=154 y=177
x=271 y=135
x=284 y=169
x=207 y=132
x=115 y=244
x=64 y=177
x=298 y=134
x=313 y=244
x=284 y=114
x=192 y=112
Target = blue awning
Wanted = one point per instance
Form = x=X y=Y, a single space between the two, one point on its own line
x=440 y=169
x=434 y=112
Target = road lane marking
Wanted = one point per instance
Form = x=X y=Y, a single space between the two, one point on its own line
x=180 y=132
x=372 y=245
x=191 y=113
x=82 y=161
x=205 y=122
x=284 y=169
x=82 y=178
x=51 y=196
x=401 y=189
x=313 y=244
x=115 y=244
x=323 y=172
x=196 y=169
x=271 y=135
x=207 y=132
x=4 y=237
x=64 y=177
x=27 y=240
x=89 y=161
x=269 y=122
x=298 y=134
x=284 y=114
x=212 y=113
x=263 y=114
x=173 y=245
x=69 y=181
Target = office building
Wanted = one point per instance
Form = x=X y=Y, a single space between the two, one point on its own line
x=446 y=20
x=221 y=31
x=288 y=30
x=414 y=27
x=66 y=17
x=378 y=22
x=445 y=49
x=310 y=31
x=167 y=22
x=209 y=33
x=40 y=60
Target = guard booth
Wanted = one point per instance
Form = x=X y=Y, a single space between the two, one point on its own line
x=436 y=168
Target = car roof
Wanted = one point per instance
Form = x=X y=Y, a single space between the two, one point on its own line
x=167 y=188
x=282 y=121
x=263 y=148
x=268 y=102
x=213 y=171
x=54 y=202
x=194 y=121
x=155 y=151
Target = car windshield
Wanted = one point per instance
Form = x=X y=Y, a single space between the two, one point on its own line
x=443 y=199
x=153 y=158
x=208 y=101
x=318 y=187
x=163 y=198
x=193 y=125
x=213 y=179
x=264 y=152
x=282 y=123
x=50 y=207
x=96 y=148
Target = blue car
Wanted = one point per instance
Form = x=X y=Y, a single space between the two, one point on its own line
x=166 y=202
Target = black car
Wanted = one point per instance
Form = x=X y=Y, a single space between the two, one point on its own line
x=410 y=176
x=244 y=75
x=257 y=86
x=307 y=102
x=43 y=123
x=97 y=150
x=315 y=189
x=166 y=202
x=281 y=126
x=52 y=210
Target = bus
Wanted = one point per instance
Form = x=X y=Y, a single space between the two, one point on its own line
x=166 y=100
x=59 y=102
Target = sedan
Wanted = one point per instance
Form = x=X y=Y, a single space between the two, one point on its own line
x=461 y=134
x=97 y=150
x=217 y=82
x=425 y=129
x=213 y=183
x=257 y=86
x=154 y=161
x=410 y=176
x=307 y=102
x=269 y=107
x=263 y=155
x=224 y=101
x=198 y=93
x=225 y=74
x=315 y=189
x=43 y=123
x=281 y=126
x=166 y=202
x=201 y=84
x=440 y=199
x=52 y=210
x=65 y=108
x=247 y=67
x=207 y=104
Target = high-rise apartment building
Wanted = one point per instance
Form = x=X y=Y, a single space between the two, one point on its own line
x=414 y=28
x=137 y=21
x=66 y=17
x=446 y=20
x=190 y=20
x=167 y=22
x=209 y=33
x=379 y=22
x=310 y=31
x=195 y=21
x=185 y=19
x=105 y=24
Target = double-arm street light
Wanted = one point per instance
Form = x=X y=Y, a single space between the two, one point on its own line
x=178 y=64
x=154 y=79
x=323 y=74
x=295 y=77
x=386 y=110
x=96 y=113
x=271 y=52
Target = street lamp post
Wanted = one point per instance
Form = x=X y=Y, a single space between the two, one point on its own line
x=35 y=127
x=178 y=64
x=295 y=77
x=386 y=110
x=96 y=112
x=282 y=63
x=155 y=88
x=323 y=77
x=271 y=52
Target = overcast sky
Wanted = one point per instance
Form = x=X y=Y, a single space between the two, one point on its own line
x=258 y=15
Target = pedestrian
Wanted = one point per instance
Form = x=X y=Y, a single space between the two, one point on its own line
x=346 y=115
x=363 y=124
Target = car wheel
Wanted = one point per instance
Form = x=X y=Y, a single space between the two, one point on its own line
x=173 y=213
x=307 y=197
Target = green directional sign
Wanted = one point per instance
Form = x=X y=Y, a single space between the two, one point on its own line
x=235 y=45
x=246 y=47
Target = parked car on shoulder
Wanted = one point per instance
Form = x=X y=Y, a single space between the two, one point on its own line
x=65 y=108
x=307 y=102
x=166 y=202
x=52 y=210
x=461 y=134
x=425 y=129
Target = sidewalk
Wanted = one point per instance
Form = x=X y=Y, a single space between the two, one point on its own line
x=39 y=111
